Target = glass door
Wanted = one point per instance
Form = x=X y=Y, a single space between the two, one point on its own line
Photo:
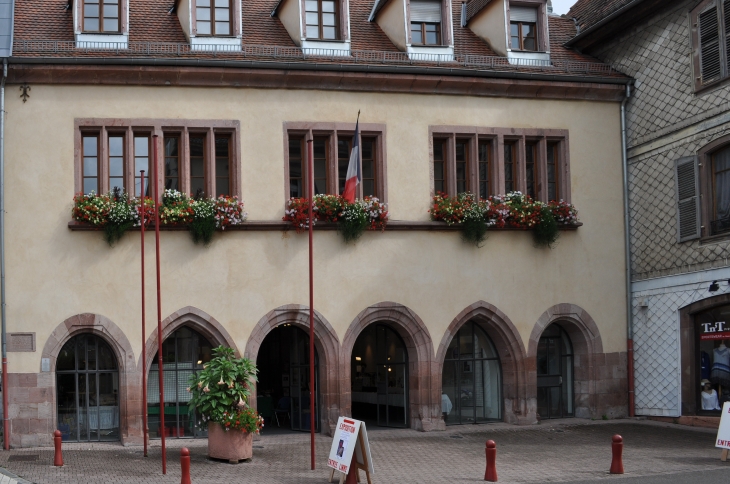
x=87 y=385
x=392 y=381
x=554 y=374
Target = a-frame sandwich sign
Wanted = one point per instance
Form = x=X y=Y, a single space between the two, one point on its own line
x=351 y=439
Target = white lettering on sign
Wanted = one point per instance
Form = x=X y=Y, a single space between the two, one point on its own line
x=716 y=327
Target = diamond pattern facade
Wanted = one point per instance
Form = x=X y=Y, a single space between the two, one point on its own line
x=666 y=120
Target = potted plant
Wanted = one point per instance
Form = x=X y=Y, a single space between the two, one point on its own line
x=220 y=394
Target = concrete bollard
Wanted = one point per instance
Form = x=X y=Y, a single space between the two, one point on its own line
x=617 y=449
x=490 y=474
x=185 y=466
x=58 y=456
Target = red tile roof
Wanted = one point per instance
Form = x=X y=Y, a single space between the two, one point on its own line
x=590 y=12
x=48 y=20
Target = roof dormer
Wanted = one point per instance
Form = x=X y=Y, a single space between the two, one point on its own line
x=319 y=27
x=101 y=24
x=214 y=25
x=515 y=29
x=421 y=28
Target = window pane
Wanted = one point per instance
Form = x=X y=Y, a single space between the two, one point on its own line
x=202 y=3
x=530 y=157
x=222 y=15
x=141 y=161
x=295 y=168
x=320 y=166
x=416 y=35
x=312 y=6
x=344 y=146
x=312 y=18
x=90 y=166
x=111 y=11
x=328 y=6
x=509 y=179
x=329 y=33
x=91 y=24
x=461 y=162
x=328 y=19
x=91 y=10
x=529 y=44
x=222 y=166
x=203 y=14
x=222 y=28
x=111 y=25
x=439 y=175
x=91 y=185
x=197 y=165
x=203 y=28
x=116 y=166
x=432 y=38
x=484 y=157
x=222 y=3
x=172 y=166
x=721 y=162
x=552 y=171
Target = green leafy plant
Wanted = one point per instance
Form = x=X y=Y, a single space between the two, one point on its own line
x=203 y=225
x=545 y=232
x=353 y=222
x=122 y=216
x=220 y=392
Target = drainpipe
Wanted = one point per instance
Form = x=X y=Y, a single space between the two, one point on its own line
x=3 y=335
x=627 y=246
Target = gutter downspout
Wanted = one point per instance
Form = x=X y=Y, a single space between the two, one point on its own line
x=627 y=246
x=3 y=334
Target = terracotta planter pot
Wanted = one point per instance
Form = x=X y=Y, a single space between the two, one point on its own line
x=233 y=445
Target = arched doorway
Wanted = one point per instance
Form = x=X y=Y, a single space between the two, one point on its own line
x=183 y=352
x=283 y=390
x=472 y=378
x=87 y=390
x=379 y=376
x=555 y=374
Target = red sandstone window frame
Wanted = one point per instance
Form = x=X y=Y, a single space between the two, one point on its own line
x=332 y=132
x=497 y=138
x=182 y=129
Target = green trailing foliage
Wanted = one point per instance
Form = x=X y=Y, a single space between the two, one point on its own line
x=203 y=224
x=121 y=218
x=545 y=233
x=353 y=222
x=474 y=231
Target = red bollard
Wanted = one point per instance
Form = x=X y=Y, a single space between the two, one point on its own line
x=491 y=473
x=58 y=457
x=617 y=448
x=185 y=465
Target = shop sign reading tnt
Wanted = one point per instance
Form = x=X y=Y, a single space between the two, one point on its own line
x=712 y=331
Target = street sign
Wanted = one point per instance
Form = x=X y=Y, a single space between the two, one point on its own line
x=351 y=438
x=723 y=432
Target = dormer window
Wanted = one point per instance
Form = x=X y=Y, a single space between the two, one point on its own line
x=425 y=22
x=523 y=28
x=213 y=17
x=101 y=16
x=321 y=16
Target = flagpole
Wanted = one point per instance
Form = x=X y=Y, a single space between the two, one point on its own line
x=155 y=171
x=310 y=182
x=144 y=331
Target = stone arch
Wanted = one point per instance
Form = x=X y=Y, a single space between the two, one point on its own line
x=509 y=345
x=589 y=359
x=328 y=350
x=424 y=374
x=194 y=318
x=130 y=421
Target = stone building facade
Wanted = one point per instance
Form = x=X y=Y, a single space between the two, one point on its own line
x=668 y=119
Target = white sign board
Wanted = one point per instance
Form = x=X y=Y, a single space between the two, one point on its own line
x=723 y=433
x=351 y=437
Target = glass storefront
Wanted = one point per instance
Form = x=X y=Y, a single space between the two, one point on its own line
x=471 y=382
x=712 y=328
x=87 y=386
x=183 y=352
x=554 y=374
x=379 y=368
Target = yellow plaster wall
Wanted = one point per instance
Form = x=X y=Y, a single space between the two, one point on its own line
x=54 y=273
x=291 y=17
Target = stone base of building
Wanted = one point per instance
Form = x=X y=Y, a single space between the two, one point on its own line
x=690 y=421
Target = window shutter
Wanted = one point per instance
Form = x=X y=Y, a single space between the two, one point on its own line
x=688 y=199
x=709 y=36
x=523 y=14
x=426 y=11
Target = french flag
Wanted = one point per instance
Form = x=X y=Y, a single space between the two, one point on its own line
x=353 y=169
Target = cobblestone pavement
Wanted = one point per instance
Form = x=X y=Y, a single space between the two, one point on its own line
x=558 y=451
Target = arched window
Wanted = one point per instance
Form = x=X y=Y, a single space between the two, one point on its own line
x=183 y=352
x=472 y=378
x=87 y=389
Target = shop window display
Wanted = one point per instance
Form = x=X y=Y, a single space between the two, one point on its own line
x=713 y=330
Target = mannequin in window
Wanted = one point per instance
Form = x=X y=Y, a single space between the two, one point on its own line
x=720 y=373
x=709 y=397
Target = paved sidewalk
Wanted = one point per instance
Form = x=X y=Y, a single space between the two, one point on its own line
x=558 y=451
